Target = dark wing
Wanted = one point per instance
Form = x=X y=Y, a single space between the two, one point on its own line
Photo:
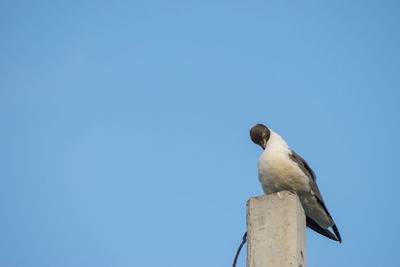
x=309 y=172
x=303 y=165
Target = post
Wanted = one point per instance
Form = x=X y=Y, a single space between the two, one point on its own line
x=276 y=227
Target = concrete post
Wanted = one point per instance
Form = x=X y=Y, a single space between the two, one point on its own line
x=276 y=227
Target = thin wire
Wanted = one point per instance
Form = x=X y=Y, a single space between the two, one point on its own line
x=239 y=249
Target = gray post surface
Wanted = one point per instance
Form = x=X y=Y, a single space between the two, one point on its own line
x=276 y=227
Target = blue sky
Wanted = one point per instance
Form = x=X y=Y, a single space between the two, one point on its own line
x=124 y=126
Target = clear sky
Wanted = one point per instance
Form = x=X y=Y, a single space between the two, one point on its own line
x=124 y=126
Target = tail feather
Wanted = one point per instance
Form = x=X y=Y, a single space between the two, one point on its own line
x=336 y=231
x=325 y=232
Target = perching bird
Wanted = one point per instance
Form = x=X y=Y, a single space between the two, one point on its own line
x=280 y=168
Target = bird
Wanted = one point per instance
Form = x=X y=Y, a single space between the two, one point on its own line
x=280 y=168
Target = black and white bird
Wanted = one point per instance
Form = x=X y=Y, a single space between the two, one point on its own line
x=280 y=168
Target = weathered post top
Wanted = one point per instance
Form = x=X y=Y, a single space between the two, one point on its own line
x=276 y=226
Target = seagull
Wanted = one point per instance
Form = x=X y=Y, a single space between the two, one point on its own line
x=280 y=168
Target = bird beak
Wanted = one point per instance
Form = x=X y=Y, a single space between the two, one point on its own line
x=264 y=144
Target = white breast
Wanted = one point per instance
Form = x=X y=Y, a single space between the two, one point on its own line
x=277 y=171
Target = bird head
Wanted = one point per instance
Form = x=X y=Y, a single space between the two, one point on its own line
x=260 y=134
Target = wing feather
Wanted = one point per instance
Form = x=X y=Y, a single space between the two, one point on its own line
x=303 y=165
